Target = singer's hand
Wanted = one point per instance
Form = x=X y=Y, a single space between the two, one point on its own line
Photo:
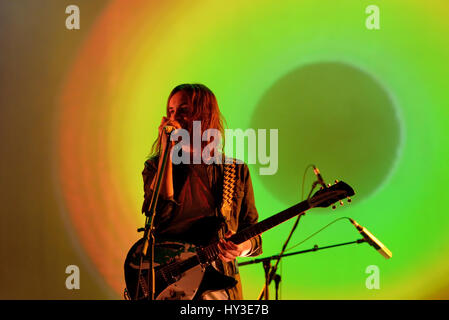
x=167 y=122
x=167 y=179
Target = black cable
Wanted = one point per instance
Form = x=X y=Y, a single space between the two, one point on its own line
x=304 y=180
x=302 y=198
x=315 y=233
x=297 y=220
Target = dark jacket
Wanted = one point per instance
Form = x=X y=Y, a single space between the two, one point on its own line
x=243 y=214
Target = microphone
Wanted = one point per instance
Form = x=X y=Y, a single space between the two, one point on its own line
x=372 y=240
x=169 y=129
x=318 y=175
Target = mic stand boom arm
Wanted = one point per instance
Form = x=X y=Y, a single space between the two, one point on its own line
x=279 y=256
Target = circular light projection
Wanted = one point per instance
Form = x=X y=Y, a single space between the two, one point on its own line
x=295 y=67
x=335 y=116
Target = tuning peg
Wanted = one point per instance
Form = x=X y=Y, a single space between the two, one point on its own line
x=341 y=202
x=349 y=200
x=328 y=185
x=336 y=181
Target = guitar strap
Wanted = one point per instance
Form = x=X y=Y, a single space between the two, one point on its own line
x=228 y=173
x=229 y=178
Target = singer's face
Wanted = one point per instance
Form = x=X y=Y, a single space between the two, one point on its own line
x=179 y=110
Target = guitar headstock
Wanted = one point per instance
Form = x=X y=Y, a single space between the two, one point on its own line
x=327 y=196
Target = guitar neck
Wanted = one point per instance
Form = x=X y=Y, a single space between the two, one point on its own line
x=210 y=253
x=322 y=198
x=270 y=222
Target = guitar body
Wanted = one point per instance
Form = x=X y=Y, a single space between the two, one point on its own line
x=187 y=285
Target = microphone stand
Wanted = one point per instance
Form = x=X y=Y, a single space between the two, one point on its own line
x=270 y=271
x=149 y=241
x=277 y=278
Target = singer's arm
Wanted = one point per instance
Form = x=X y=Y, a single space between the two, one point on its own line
x=166 y=190
x=166 y=199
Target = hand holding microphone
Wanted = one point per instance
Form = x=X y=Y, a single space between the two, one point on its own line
x=169 y=129
x=168 y=125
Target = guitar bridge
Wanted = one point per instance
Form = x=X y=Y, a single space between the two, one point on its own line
x=203 y=266
x=203 y=258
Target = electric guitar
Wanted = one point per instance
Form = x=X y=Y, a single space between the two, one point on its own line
x=180 y=268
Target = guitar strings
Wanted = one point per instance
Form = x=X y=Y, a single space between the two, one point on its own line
x=211 y=250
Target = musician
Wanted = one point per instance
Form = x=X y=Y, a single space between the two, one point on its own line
x=190 y=196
